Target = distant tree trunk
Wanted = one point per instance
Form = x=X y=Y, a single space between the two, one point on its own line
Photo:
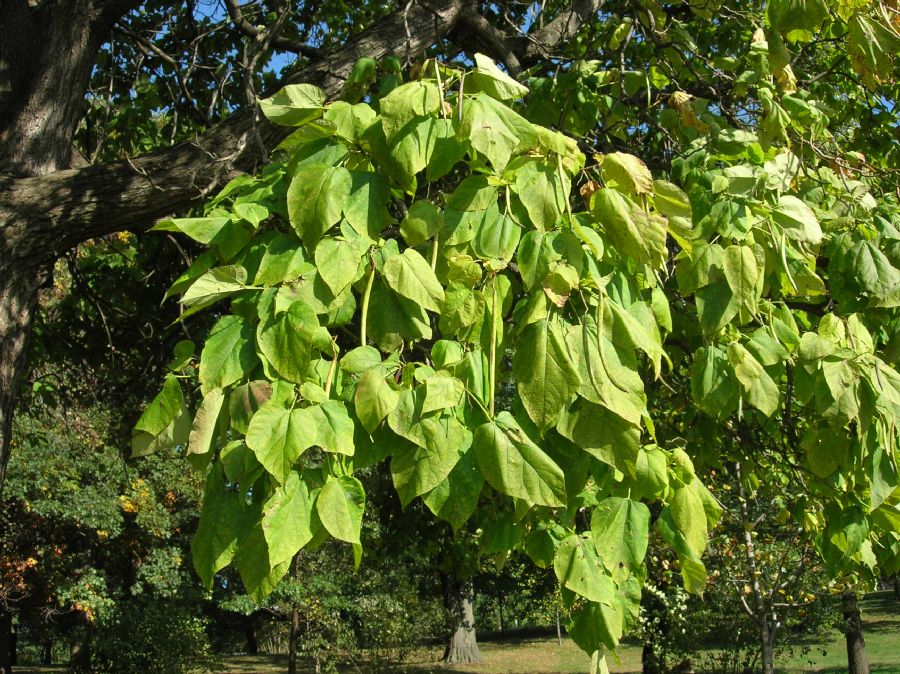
x=897 y=587
x=80 y=653
x=47 y=653
x=760 y=610
x=7 y=642
x=295 y=622
x=857 y=657
x=460 y=599
x=252 y=638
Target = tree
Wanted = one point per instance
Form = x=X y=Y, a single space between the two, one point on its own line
x=759 y=258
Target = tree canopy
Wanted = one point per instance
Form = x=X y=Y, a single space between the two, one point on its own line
x=669 y=230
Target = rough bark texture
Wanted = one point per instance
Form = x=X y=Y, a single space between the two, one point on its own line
x=7 y=642
x=857 y=656
x=46 y=56
x=462 y=647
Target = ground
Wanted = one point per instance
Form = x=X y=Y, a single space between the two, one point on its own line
x=881 y=614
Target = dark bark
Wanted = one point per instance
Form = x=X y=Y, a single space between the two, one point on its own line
x=47 y=652
x=857 y=656
x=252 y=638
x=46 y=56
x=7 y=641
x=460 y=600
x=295 y=621
x=46 y=209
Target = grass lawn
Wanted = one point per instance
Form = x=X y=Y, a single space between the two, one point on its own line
x=881 y=617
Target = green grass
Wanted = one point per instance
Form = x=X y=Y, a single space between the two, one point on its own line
x=881 y=617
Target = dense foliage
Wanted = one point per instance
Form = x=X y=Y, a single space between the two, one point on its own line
x=397 y=251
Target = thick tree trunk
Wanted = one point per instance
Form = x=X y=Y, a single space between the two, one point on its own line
x=462 y=647
x=7 y=642
x=857 y=656
x=18 y=297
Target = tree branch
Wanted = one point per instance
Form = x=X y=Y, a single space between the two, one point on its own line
x=42 y=217
x=279 y=43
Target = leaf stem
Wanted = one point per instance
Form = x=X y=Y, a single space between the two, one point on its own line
x=493 y=361
x=365 y=304
x=434 y=253
x=331 y=370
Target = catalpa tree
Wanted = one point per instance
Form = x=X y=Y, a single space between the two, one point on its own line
x=405 y=255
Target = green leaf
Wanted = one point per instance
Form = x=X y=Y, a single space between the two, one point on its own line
x=336 y=262
x=366 y=205
x=632 y=231
x=742 y=273
x=714 y=388
x=474 y=193
x=494 y=129
x=340 y=507
x=229 y=354
x=627 y=173
x=542 y=189
x=286 y=522
x=487 y=77
x=456 y=497
x=578 y=568
x=620 y=528
x=515 y=466
x=462 y=308
x=875 y=274
x=761 y=391
x=286 y=341
x=873 y=47
x=283 y=260
x=333 y=427
x=245 y=400
x=442 y=391
x=294 y=105
x=796 y=18
x=315 y=198
x=213 y=545
x=202 y=230
x=670 y=200
x=716 y=307
x=546 y=378
x=412 y=277
x=393 y=318
x=497 y=238
x=422 y=222
x=165 y=423
x=595 y=627
x=417 y=469
x=607 y=374
x=405 y=103
x=688 y=514
x=215 y=284
x=350 y=120
x=279 y=436
x=603 y=434
x=797 y=220
x=374 y=398
x=203 y=432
